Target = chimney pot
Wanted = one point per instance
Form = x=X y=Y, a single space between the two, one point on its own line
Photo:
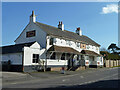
x=33 y=17
x=61 y=26
x=32 y=13
x=61 y=22
x=78 y=28
x=79 y=31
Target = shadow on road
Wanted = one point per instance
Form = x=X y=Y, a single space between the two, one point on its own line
x=99 y=84
x=104 y=84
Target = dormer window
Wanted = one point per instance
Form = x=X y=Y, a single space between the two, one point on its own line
x=30 y=33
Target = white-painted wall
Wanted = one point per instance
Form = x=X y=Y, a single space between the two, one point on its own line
x=29 y=51
x=63 y=42
x=15 y=58
x=57 y=62
x=40 y=35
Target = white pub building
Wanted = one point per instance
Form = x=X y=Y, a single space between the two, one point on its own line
x=43 y=46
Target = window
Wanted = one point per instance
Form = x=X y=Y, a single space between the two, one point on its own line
x=68 y=56
x=54 y=40
x=92 y=47
x=63 y=56
x=96 y=48
x=92 y=58
x=31 y=33
x=82 y=57
x=35 y=58
x=78 y=57
x=88 y=47
x=53 y=56
x=78 y=44
x=51 y=41
x=68 y=42
x=61 y=40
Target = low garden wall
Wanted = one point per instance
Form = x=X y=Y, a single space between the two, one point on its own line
x=112 y=63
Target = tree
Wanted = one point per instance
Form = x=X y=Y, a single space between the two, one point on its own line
x=114 y=49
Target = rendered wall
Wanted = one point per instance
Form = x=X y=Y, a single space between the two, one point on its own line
x=40 y=35
x=62 y=42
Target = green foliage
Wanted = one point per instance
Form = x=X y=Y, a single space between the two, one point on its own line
x=110 y=56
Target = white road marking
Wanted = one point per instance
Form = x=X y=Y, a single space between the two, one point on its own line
x=65 y=80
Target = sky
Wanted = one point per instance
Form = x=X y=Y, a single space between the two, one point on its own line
x=97 y=20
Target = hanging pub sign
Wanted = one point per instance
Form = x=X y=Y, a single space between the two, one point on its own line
x=30 y=33
x=83 y=46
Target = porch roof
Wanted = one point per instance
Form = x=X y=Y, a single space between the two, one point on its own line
x=90 y=53
x=55 y=48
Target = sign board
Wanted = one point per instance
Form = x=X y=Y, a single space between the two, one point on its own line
x=83 y=46
x=30 y=33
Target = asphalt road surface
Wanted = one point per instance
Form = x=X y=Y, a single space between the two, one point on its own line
x=101 y=78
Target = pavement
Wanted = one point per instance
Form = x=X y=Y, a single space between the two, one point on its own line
x=8 y=77
x=56 y=79
x=19 y=76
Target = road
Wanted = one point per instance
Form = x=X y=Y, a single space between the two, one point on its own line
x=95 y=78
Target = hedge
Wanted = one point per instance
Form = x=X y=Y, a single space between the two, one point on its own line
x=110 y=56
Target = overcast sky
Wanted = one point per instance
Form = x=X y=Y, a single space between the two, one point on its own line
x=99 y=21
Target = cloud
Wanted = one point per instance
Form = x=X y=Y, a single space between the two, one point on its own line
x=110 y=8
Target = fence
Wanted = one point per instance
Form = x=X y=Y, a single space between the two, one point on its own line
x=112 y=63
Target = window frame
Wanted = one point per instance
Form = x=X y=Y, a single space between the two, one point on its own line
x=78 y=44
x=53 y=56
x=63 y=56
x=35 y=58
x=51 y=41
x=31 y=33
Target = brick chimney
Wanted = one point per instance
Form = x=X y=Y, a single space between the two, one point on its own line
x=61 y=26
x=79 y=31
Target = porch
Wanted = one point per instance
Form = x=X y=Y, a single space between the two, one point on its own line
x=71 y=59
x=63 y=57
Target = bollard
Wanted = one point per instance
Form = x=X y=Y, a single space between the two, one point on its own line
x=63 y=70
